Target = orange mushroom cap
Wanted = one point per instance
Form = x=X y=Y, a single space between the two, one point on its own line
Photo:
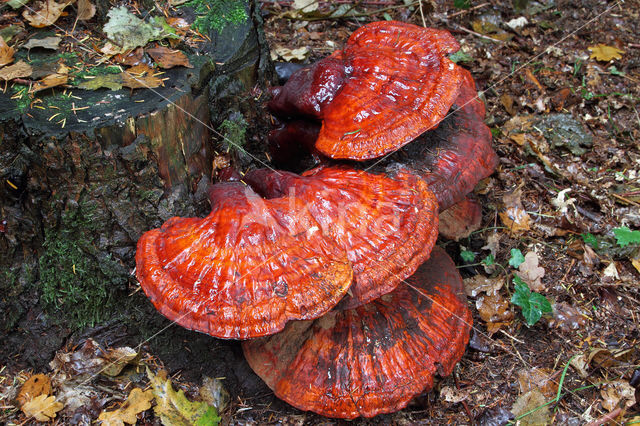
x=400 y=83
x=244 y=270
x=392 y=82
x=387 y=224
x=373 y=359
x=454 y=157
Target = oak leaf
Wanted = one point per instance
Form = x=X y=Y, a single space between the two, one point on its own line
x=42 y=408
x=604 y=53
x=137 y=402
x=6 y=53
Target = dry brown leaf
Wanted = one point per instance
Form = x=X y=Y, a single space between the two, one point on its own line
x=117 y=359
x=179 y=24
x=616 y=392
x=45 y=13
x=86 y=10
x=481 y=284
x=137 y=402
x=6 y=53
x=38 y=384
x=460 y=220
x=18 y=70
x=538 y=378
x=131 y=58
x=494 y=310
x=140 y=82
x=531 y=273
x=42 y=408
x=507 y=102
x=514 y=216
x=533 y=402
x=604 y=53
x=49 y=81
x=168 y=58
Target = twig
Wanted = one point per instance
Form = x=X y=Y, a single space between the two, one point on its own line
x=468 y=10
x=606 y=418
x=424 y=24
x=466 y=30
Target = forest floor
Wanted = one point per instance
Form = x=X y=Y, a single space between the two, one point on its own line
x=561 y=85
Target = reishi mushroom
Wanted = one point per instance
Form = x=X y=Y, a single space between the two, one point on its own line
x=287 y=247
x=375 y=358
x=244 y=270
x=392 y=82
x=387 y=224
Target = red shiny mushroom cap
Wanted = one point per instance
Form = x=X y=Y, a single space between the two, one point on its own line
x=392 y=82
x=244 y=270
x=373 y=359
x=454 y=157
x=387 y=224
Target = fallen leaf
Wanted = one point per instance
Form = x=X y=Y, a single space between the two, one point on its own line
x=567 y=317
x=180 y=25
x=636 y=262
x=6 y=53
x=289 y=55
x=494 y=310
x=305 y=6
x=46 y=43
x=45 y=13
x=562 y=203
x=16 y=4
x=507 y=102
x=616 y=392
x=18 y=70
x=530 y=272
x=453 y=395
x=580 y=364
x=86 y=10
x=481 y=284
x=117 y=359
x=127 y=31
x=174 y=408
x=538 y=378
x=493 y=243
x=514 y=216
x=527 y=403
x=213 y=393
x=38 y=384
x=42 y=408
x=611 y=271
x=131 y=58
x=168 y=58
x=137 y=402
x=49 y=81
x=604 y=53
x=134 y=79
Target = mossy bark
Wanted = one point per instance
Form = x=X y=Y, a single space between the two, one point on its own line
x=78 y=190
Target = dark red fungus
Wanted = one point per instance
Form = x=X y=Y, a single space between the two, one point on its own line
x=244 y=270
x=460 y=220
x=387 y=224
x=392 y=82
x=373 y=359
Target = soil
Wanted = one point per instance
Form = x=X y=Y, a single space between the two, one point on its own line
x=532 y=78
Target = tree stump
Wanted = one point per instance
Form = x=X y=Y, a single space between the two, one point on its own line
x=85 y=173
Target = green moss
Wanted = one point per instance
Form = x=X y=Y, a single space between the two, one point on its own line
x=21 y=97
x=234 y=132
x=217 y=14
x=77 y=282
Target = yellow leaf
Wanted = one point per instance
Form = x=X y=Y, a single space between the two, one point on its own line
x=46 y=13
x=604 y=53
x=137 y=402
x=51 y=80
x=174 y=409
x=38 y=384
x=42 y=408
x=6 y=53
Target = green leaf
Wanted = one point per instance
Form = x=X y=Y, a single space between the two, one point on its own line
x=462 y=4
x=614 y=71
x=516 y=258
x=467 y=256
x=626 y=236
x=590 y=239
x=533 y=304
x=128 y=31
x=460 y=56
x=489 y=260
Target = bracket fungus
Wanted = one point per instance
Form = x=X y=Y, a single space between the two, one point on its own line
x=244 y=270
x=373 y=359
x=387 y=224
x=392 y=82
